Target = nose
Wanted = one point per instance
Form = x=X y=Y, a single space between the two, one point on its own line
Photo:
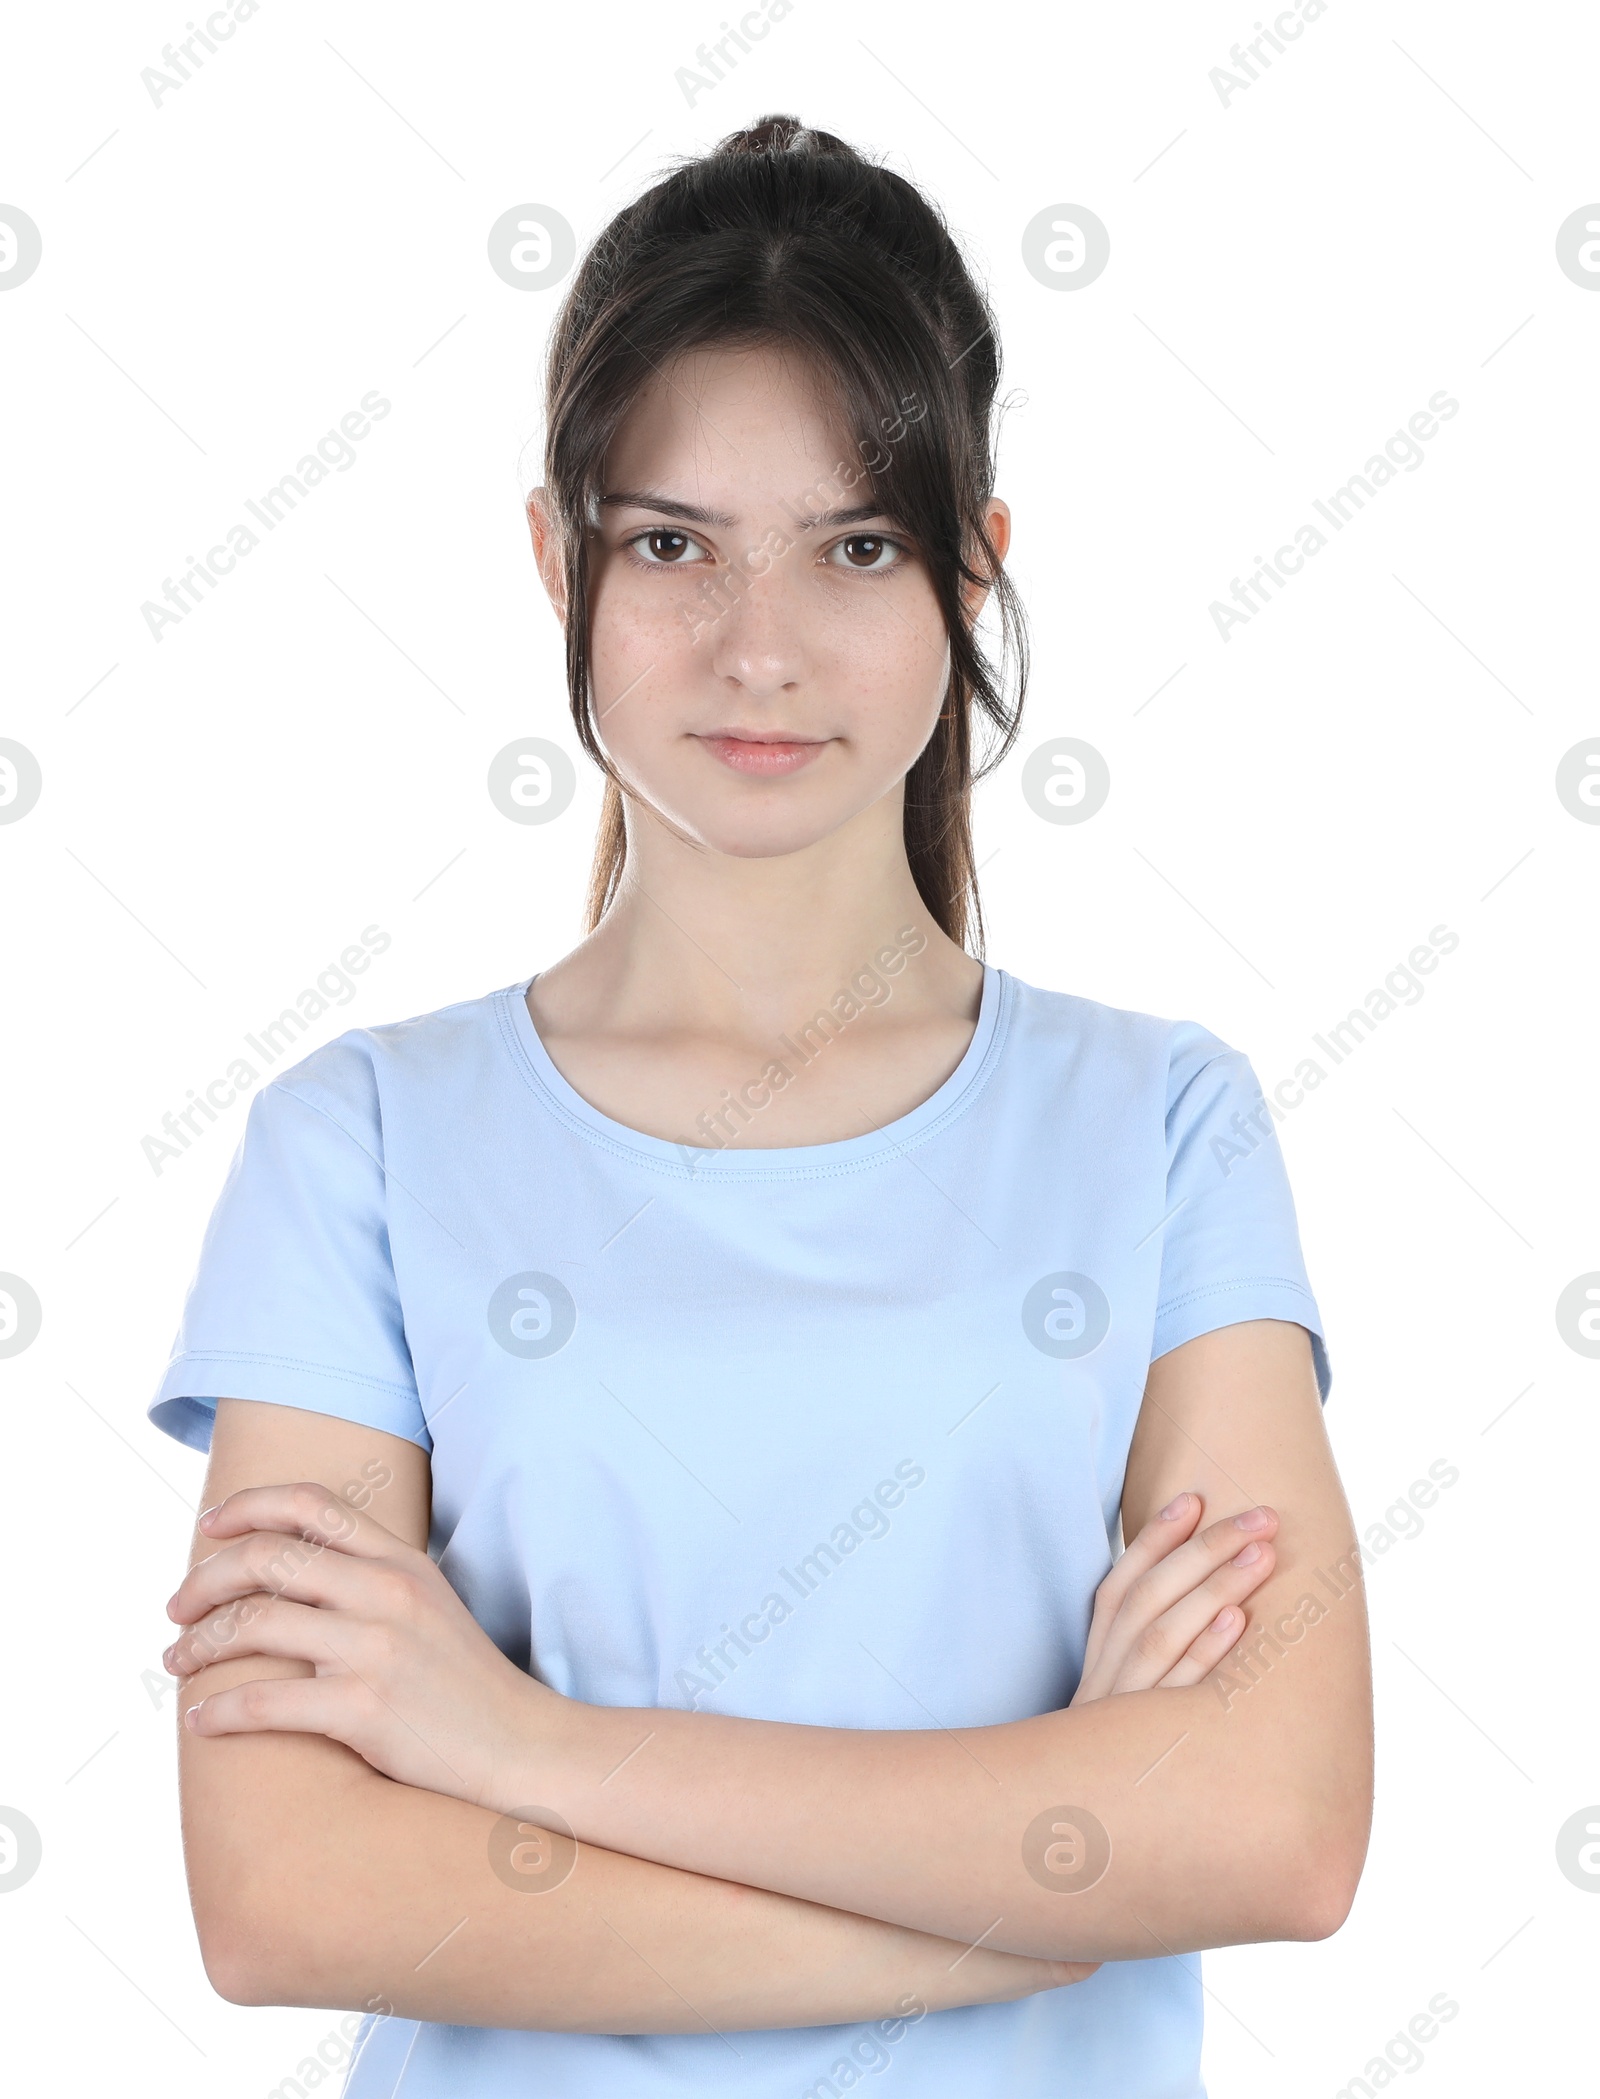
x=757 y=639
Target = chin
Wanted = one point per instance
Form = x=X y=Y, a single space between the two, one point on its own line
x=771 y=840
x=757 y=821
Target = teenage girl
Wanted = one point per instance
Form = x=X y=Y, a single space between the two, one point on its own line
x=659 y=1626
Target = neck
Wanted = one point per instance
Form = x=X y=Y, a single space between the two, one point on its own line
x=699 y=942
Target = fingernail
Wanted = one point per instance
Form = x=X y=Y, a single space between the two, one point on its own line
x=1248 y=1557
x=204 y=1513
x=1174 y=1509
x=1223 y=1622
x=189 y=1713
x=1252 y=1520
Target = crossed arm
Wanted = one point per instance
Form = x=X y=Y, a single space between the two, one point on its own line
x=338 y=1813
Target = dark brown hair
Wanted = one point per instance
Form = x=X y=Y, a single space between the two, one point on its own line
x=787 y=236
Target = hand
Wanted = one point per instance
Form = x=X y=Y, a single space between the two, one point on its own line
x=1167 y=1613
x=405 y=1675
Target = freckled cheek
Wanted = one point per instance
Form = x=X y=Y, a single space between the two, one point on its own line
x=644 y=658
x=630 y=627
x=891 y=673
x=648 y=678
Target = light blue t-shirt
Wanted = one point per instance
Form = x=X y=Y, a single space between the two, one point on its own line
x=831 y=1434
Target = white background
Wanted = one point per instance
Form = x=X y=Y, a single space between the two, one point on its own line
x=1292 y=275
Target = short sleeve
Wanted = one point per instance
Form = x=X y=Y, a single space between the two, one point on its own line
x=1231 y=1241
x=295 y=1300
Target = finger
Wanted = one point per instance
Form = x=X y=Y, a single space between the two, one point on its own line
x=300 y=1705
x=1192 y=1619
x=1207 y=1651
x=1173 y=1527
x=255 y=1625
x=1178 y=1574
x=307 y=1511
x=1166 y=1639
x=1161 y=1535
x=277 y=1564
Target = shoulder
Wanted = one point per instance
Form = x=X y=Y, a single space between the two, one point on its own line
x=1146 y=1053
x=369 y=1075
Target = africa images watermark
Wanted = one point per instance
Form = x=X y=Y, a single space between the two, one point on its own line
x=1404 y=2051
x=292 y=1559
x=716 y=61
x=870 y=2052
x=334 y=987
x=209 y=35
x=335 y=453
x=1402 y=453
x=1401 y=987
x=718 y=599
x=1285 y=29
x=869 y=986
x=868 y=1519
x=334 y=2050
x=1254 y=1657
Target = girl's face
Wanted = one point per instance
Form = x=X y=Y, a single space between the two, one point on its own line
x=768 y=656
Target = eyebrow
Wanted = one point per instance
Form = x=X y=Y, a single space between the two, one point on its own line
x=694 y=514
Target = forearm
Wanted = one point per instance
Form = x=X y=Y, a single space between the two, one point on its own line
x=1236 y=1810
x=1233 y=1814
x=318 y=1882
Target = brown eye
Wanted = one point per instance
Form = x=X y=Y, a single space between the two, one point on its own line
x=665 y=546
x=869 y=552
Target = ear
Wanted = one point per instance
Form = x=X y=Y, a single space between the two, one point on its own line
x=997 y=518
x=547 y=551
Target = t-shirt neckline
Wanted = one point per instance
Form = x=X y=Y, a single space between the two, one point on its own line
x=741 y=1162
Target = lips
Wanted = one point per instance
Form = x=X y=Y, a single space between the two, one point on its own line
x=766 y=755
